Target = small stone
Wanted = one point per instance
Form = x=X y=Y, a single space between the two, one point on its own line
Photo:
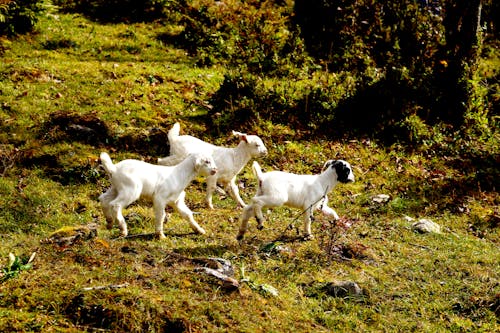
x=381 y=198
x=426 y=226
x=343 y=289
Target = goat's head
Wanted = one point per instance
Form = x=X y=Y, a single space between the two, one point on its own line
x=205 y=165
x=254 y=144
x=342 y=169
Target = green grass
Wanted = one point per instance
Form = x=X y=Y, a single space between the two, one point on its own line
x=124 y=76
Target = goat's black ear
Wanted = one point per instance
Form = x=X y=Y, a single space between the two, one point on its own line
x=327 y=165
x=334 y=164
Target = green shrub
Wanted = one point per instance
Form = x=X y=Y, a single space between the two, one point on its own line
x=308 y=104
x=19 y=16
x=401 y=40
x=255 y=34
x=117 y=10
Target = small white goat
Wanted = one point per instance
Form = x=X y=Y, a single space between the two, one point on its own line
x=132 y=179
x=229 y=161
x=308 y=192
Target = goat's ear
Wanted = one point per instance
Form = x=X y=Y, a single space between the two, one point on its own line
x=327 y=164
x=242 y=136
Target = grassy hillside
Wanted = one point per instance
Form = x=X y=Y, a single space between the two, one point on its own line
x=76 y=88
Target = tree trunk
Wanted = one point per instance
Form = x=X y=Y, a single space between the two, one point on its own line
x=462 y=24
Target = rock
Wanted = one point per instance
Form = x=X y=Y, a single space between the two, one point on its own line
x=72 y=234
x=381 y=198
x=408 y=218
x=426 y=226
x=343 y=289
x=228 y=282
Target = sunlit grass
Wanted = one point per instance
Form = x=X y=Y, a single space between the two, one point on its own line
x=124 y=76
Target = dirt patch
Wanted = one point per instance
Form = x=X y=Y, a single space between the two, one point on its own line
x=89 y=129
x=109 y=312
x=54 y=169
x=152 y=141
x=71 y=126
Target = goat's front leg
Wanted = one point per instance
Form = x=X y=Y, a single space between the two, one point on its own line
x=159 y=209
x=308 y=217
x=187 y=214
x=327 y=210
x=211 y=186
x=235 y=193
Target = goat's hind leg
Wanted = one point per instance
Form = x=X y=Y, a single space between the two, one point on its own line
x=159 y=209
x=105 y=200
x=254 y=208
x=121 y=201
x=248 y=213
x=259 y=202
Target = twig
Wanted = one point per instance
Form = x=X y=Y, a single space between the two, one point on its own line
x=111 y=286
x=92 y=329
x=421 y=246
x=147 y=235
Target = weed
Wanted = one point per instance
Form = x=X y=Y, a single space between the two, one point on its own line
x=15 y=266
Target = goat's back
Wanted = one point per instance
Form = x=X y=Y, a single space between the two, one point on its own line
x=184 y=145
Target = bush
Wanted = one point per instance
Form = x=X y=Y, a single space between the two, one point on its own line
x=117 y=10
x=308 y=104
x=255 y=34
x=19 y=16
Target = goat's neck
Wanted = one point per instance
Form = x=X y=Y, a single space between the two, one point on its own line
x=186 y=171
x=327 y=180
x=240 y=155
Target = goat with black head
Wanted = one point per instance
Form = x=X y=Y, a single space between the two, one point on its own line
x=307 y=192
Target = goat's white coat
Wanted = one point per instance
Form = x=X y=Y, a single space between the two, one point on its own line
x=132 y=179
x=229 y=161
x=307 y=192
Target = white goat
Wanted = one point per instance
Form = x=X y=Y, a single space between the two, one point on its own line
x=307 y=192
x=229 y=161
x=131 y=179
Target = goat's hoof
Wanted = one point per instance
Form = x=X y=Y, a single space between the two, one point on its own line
x=260 y=227
x=161 y=236
x=308 y=237
x=239 y=237
x=201 y=231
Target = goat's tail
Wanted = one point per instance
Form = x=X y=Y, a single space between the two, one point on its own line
x=174 y=132
x=107 y=163
x=257 y=171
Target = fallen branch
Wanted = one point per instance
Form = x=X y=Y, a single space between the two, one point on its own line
x=229 y=283
x=220 y=268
